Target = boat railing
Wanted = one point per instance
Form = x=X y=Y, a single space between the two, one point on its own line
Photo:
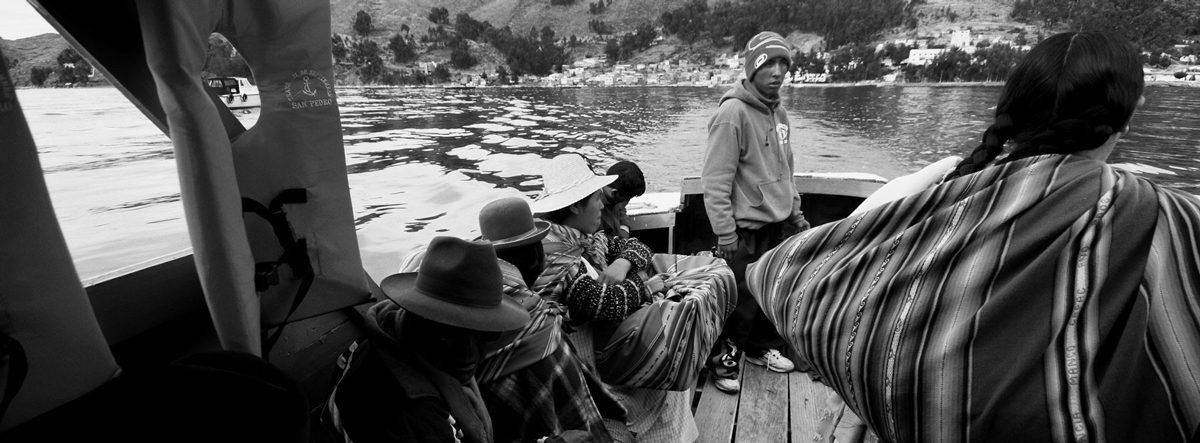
x=676 y=222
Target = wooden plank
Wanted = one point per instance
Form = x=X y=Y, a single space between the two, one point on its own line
x=716 y=414
x=819 y=415
x=851 y=429
x=809 y=409
x=762 y=408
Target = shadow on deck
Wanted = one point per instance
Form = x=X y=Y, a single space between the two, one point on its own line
x=774 y=407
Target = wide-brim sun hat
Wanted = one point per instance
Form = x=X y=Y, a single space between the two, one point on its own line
x=459 y=284
x=509 y=223
x=567 y=179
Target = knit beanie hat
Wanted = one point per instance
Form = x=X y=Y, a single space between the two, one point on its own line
x=765 y=46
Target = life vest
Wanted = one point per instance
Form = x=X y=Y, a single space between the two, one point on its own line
x=304 y=248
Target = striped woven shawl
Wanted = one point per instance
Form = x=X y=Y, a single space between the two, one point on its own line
x=1047 y=299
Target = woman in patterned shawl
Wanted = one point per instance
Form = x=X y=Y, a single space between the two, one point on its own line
x=1037 y=296
x=533 y=382
x=598 y=279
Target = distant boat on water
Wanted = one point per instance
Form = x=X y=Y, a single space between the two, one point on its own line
x=235 y=92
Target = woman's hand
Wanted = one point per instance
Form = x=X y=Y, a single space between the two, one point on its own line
x=616 y=272
x=655 y=284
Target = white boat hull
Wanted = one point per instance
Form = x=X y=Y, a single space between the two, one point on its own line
x=241 y=101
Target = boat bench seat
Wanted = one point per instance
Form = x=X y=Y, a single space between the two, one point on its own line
x=774 y=407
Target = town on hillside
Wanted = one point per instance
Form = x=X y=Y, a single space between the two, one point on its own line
x=695 y=44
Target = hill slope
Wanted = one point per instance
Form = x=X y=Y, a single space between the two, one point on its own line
x=39 y=50
x=388 y=16
x=566 y=20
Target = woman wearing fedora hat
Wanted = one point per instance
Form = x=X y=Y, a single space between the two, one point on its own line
x=523 y=368
x=413 y=378
x=598 y=279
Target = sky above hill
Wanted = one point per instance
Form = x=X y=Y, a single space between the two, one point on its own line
x=18 y=20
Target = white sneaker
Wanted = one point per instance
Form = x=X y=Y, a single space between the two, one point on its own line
x=727 y=385
x=773 y=360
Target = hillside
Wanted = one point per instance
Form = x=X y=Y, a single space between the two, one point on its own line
x=980 y=16
x=934 y=17
x=39 y=50
x=566 y=20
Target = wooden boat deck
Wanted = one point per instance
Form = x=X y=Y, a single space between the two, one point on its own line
x=774 y=407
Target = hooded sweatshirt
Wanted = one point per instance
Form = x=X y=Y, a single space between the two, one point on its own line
x=748 y=166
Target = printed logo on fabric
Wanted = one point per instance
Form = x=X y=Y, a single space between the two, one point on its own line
x=8 y=95
x=308 y=89
x=782 y=130
x=758 y=62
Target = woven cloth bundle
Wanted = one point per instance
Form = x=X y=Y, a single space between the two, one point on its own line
x=664 y=344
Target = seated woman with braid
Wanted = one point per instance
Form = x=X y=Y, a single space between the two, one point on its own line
x=1034 y=294
x=597 y=277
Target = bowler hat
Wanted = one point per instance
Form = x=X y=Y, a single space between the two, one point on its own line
x=568 y=179
x=459 y=284
x=508 y=223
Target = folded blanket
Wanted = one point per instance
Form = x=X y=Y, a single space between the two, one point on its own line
x=664 y=345
x=1051 y=298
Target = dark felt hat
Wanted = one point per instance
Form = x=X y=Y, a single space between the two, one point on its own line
x=508 y=223
x=459 y=284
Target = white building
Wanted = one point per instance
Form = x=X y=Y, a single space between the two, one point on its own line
x=922 y=57
x=815 y=77
x=589 y=62
x=961 y=39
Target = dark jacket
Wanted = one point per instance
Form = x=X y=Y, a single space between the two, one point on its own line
x=390 y=394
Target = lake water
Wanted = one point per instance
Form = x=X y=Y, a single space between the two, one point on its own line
x=423 y=161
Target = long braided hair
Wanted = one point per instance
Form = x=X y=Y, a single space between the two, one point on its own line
x=1069 y=94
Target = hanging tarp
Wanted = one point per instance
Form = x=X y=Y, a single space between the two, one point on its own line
x=295 y=146
x=43 y=307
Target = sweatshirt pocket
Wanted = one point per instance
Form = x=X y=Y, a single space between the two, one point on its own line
x=771 y=191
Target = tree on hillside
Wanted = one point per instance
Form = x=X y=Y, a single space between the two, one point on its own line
x=439 y=16
x=599 y=27
x=561 y=2
x=366 y=55
x=807 y=62
x=39 y=74
x=839 y=21
x=72 y=68
x=896 y=53
x=469 y=28
x=627 y=45
x=362 y=23
x=1154 y=25
x=687 y=22
x=436 y=36
x=440 y=74
x=339 y=48
x=612 y=50
x=996 y=62
x=460 y=55
x=502 y=75
x=402 y=49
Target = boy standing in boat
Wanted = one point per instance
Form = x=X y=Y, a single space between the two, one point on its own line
x=750 y=198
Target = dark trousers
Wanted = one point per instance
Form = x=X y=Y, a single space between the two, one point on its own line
x=747 y=327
